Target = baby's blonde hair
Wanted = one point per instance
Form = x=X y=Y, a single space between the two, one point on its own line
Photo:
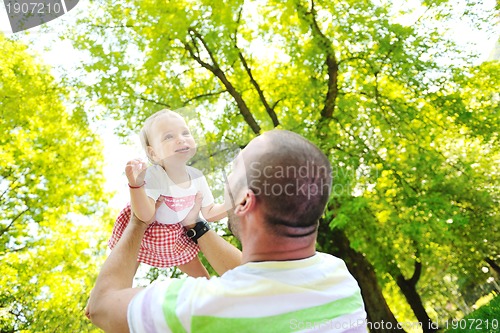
x=146 y=128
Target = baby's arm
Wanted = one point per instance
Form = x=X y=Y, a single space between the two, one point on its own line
x=211 y=212
x=214 y=212
x=142 y=205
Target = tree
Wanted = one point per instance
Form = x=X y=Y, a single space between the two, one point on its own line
x=50 y=188
x=373 y=92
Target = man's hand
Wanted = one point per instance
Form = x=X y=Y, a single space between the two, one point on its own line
x=135 y=172
x=190 y=219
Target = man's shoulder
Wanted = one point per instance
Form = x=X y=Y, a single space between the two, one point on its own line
x=192 y=288
x=332 y=263
x=329 y=257
x=171 y=286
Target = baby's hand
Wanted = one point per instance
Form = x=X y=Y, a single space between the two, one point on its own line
x=193 y=214
x=135 y=172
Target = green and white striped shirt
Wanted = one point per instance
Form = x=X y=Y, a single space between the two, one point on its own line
x=315 y=294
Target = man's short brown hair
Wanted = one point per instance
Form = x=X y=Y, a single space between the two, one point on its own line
x=292 y=180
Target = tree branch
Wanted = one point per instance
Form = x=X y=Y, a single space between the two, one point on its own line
x=196 y=57
x=217 y=71
x=203 y=96
x=493 y=265
x=145 y=99
x=416 y=273
x=4 y=230
x=117 y=26
x=269 y=109
x=14 y=184
x=276 y=103
x=205 y=46
x=331 y=62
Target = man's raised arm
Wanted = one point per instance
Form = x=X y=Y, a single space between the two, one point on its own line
x=109 y=300
x=221 y=255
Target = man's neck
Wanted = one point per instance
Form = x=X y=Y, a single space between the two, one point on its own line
x=278 y=252
x=259 y=242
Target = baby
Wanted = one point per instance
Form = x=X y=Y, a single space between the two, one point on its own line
x=166 y=191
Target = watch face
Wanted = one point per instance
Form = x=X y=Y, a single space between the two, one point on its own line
x=191 y=233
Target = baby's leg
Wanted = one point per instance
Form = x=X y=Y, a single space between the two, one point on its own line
x=194 y=268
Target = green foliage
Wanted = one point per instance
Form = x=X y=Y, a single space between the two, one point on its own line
x=484 y=319
x=50 y=186
x=406 y=119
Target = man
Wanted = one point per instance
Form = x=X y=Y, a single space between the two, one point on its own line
x=278 y=188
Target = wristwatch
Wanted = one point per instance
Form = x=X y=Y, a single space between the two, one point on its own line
x=200 y=228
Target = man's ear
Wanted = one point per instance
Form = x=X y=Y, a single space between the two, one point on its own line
x=247 y=204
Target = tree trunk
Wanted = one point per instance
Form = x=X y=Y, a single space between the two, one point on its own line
x=380 y=317
x=409 y=289
x=493 y=265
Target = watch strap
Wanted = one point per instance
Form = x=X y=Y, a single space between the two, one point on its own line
x=200 y=228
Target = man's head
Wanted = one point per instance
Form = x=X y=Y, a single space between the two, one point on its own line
x=288 y=178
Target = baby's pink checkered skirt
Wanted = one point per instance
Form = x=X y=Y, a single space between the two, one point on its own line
x=163 y=245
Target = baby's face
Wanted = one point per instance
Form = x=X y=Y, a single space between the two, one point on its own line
x=171 y=141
